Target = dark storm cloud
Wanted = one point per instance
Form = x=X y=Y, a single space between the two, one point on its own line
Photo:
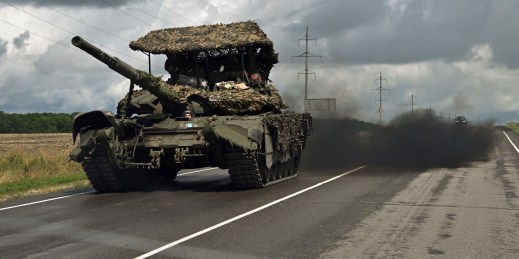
x=20 y=41
x=3 y=47
x=93 y=3
x=341 y=16
x=369 y=32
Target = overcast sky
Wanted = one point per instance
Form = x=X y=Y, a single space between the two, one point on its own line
x=456 y=56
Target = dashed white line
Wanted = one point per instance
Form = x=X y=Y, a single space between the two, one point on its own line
x=72 y=195
x=201 y=232
x=516 y=149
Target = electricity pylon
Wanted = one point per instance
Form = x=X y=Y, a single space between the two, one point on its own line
x=307 y=55
x=380 y=100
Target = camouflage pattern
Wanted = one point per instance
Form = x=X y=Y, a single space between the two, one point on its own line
x=288 y=130
x=222 y=102
x=211 y=39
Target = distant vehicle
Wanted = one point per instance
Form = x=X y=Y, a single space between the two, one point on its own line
x=460 y=120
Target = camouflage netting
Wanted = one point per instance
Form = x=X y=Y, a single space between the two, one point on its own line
x=223 y=102
x=289 y=130
x=206 y=46
x=210 y=39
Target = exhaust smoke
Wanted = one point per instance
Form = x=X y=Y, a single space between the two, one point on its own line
x=420 y=140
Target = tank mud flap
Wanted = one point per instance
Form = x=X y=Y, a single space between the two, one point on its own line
x=91 y=139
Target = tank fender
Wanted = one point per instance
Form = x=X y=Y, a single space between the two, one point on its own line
x=93 y=120
x=234 y=135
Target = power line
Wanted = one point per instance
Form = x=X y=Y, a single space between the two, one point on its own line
x=65 y=30
x=89 y=25
x=37 y=34
x=43 y=20
x=169 y=9
x=131 y=15
x=64 y=45
x=135 y=7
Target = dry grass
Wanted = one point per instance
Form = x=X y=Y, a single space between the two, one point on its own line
x=37 y=163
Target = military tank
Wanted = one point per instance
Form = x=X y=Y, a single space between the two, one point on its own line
x=217 y=109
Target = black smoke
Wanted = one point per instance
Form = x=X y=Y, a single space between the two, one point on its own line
x=421 y=140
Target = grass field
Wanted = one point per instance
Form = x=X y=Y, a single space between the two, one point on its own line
x=37 y=163
x=514 y=127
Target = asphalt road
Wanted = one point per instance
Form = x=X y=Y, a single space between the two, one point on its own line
x=467 y=212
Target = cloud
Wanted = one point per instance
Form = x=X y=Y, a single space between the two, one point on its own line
x=20 y=41
x=3 y=47
x=71 y=3
x=456 y=56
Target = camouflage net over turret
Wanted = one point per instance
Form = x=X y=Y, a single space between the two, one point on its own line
x=223 y=102
x=185 y=45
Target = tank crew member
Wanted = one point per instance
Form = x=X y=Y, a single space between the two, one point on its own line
x=187 y=114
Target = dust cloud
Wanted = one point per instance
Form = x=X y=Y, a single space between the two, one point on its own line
x=420 y=140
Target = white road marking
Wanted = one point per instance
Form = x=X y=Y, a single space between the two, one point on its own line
x=53 y=199
x=201 y=232
x=72 y=195
x=516 y=149
x=192 y=172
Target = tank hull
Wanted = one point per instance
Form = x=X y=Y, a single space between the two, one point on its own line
x=257 y=150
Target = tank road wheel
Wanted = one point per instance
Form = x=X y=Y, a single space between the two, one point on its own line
x=104 y=175
x=243 y=169
x=247 y=172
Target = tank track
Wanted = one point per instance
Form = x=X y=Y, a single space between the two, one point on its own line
x=246 y=173
x=104 y=175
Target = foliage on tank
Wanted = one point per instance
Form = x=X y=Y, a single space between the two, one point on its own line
x=289 y=130
x=213 y=39
x=232 y=101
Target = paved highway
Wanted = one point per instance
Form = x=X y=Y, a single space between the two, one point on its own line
x=351 y=212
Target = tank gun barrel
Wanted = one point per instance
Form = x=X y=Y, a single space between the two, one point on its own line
x=112 y=62
x=152 y=83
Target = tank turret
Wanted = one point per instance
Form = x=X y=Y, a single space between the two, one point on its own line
x=225 y=98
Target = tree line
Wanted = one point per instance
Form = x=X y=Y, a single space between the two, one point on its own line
x=36 y=122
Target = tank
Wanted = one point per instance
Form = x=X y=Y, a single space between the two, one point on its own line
x=218 y=109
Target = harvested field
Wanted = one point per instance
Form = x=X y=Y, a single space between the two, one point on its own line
x=36 y=142
x=37 y=163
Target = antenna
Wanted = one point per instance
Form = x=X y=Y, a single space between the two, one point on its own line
x=380 y=100
x=307 y=55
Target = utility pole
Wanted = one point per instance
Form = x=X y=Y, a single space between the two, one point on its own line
x=412 y=96
x=307 y=55
x=380 y=100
